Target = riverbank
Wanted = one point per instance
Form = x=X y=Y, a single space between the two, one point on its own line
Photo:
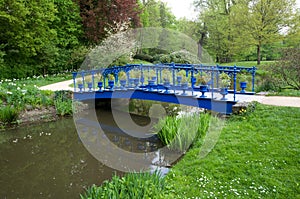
x=256 y=156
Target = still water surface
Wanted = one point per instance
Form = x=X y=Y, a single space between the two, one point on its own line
x=49 y=160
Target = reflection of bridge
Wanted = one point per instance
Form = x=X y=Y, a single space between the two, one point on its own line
x=173 y=83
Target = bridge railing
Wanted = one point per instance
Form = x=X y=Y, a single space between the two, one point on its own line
x=169 y=76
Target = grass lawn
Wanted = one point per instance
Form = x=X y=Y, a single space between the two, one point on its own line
x=257 y=156
x=43 y=81
x=286 y=92
x=248 y=63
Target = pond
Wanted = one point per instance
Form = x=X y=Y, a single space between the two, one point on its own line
x=49 y=160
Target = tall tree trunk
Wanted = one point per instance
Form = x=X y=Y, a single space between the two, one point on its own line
x=200 y=46
x=258 y=54
x=201 y=42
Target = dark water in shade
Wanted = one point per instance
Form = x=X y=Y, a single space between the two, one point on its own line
x=49 y=161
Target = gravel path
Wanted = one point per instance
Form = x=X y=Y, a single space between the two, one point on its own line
x=275 y=101
x=59 y=86
x=282 y=101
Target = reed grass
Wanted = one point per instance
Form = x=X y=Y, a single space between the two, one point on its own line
x=8 y=114
x=179 y=133
x=132 y=185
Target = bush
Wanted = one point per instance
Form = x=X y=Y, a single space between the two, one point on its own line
x=144 y=57
x=63 y=103
x=8 y=114
x=132 y=185
x=288 y=68
x=183 y=57
x=179 y=133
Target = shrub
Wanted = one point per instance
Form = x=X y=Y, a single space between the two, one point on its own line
x=288 y=68
x=8 y=114
x=184 y=57
x=179 y=133
x=132 y=185
x=63 y=103
x=144 y=57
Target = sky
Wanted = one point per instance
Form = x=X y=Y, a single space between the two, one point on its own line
x=184 y=8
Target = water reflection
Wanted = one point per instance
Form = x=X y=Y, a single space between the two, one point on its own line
x=47 y=161
x=50 y=161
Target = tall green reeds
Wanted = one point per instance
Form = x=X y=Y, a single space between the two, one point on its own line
x=178 y=133
x=8 y=114
x=132 y=185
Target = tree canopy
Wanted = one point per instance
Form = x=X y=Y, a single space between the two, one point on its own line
x=43 y=37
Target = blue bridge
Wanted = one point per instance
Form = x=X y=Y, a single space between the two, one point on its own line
x=215 y=88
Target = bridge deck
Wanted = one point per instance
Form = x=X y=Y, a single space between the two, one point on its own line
x=212 y=102
x=173 y=83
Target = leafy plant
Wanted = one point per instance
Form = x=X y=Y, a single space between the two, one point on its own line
x=98 y=77
x=111 y=77
x=202 y=78
x=182 y=73
x=179 y=133
x=225 y=80
x=8 y=114
x=166 y=74
x=134 y=74
x=132 y=185
x=287 y=69
x=122 y=75
x=63 y=103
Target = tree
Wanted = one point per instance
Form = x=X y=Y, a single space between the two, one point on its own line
x=105 y=17
x=37 y=36
x=292 y=39
x=25 y=33
x=261 y=21
x=288 y=68
x=215 y=17
x=197 y=30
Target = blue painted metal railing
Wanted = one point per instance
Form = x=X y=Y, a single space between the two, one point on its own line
x=158 y=70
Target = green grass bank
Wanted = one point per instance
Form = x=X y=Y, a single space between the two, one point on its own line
x=256 y=156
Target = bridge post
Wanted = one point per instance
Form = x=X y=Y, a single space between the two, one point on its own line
x=234 y=82
x=213 y=81
x=93 y=78
x=253 y=78
x=128 y=77
x=142 y=80
x=173 y=74
x=83 y=82
x=217 y=76
x=160 y=75
x=156 y=70
x=74 y=74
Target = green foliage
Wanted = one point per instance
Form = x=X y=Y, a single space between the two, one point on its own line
x=38 y=36
x=245 y=30
x=250 y=160
x=156 y=14
x=202 y=78
x=132 y=185
x=288 y=68
x=225 y=80
x=179 y=133
x=63 y=103
x=144 y=57
x=8 y=114
x=184 y=57
x=286 y=92
x=18 y=94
